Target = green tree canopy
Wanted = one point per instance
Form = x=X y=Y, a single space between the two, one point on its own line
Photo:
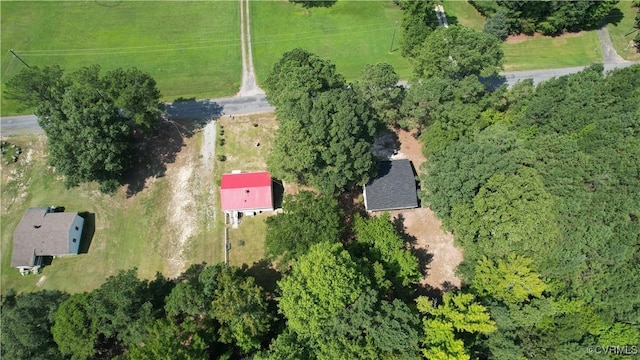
x=370 y=329
x=89 y=119
x=510 y=280
x=240 y=307
x=166 y=340
x=388 y=247
x=551 y=17
x=297 y=75
x=25 y=326
x=457 y=52
x=449 y=324
x=74 y=329
x=322 y=283
x=511 y=211
x=418 y=21
x=307 y=219
x=327 y=144
x=122 y=307
x=378 y=86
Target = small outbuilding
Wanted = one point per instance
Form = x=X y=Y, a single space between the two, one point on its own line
x=393 y=188
x=246 y=193
x=41 y=233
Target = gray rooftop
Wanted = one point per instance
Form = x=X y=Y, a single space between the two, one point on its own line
x=41 y=233
x=394 y=187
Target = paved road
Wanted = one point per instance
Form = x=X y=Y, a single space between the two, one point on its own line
x=201 y=109
x=214 y=108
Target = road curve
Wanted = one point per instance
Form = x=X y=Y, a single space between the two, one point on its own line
x=240 y=105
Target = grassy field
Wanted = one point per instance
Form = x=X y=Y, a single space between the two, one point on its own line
x=622 y=31
x=351 y=34
x=126 y=231
x=543 y=52
x=192 y=49
x=240 y=134
x=463 y=13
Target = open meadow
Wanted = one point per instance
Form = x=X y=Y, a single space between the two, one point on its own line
x=192 y=49
x=350 y=34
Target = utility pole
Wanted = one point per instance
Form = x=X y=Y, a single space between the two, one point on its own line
x=393 y=37
x=19 y=58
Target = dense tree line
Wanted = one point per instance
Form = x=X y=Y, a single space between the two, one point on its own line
x=546 y=17
x=549 y=173
x=89 y=119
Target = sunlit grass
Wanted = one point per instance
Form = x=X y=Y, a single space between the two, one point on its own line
x=192 y=49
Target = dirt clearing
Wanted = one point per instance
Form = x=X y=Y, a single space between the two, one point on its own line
x=434 y=246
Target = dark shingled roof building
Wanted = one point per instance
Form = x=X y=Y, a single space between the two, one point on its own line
x=42 y=233
x=394 y=188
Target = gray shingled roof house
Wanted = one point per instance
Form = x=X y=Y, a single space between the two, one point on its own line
x=394 y=188
x=41 y=233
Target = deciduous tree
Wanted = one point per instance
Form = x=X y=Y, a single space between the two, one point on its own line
x=307 y=219
x=74 y=329
x=322 y=283
x=26 y=323
x=389 y=248
x=458 y=52
x=89 y=119
x=378 y=86
x=327 y=147
x=449 y=324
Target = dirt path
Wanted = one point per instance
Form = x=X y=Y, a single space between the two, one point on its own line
x=249 y=86
x=181 y=207
x=609 y=54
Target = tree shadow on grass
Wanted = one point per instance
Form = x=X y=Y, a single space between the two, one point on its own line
x=452 y=19
x=265 y=274
x=160 y=147
x=88 y=230
x=314 y=3
x=614 y=17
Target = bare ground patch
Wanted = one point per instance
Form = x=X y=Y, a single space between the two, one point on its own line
x=433 y=246
x=516 y=39
x=187 y=182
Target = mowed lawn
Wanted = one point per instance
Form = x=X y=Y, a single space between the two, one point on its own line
x=463 y=13
x=192 y=49
x=622 y=31
x=241 y=134
x=544 y=52
x=124 y=232
x=534 y=52
x=350 y=34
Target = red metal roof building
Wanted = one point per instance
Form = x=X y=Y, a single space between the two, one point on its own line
x=246 y=192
